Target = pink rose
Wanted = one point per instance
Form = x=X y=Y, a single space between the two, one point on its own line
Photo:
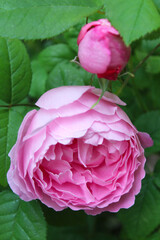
x=69 y=155
x=102 y=50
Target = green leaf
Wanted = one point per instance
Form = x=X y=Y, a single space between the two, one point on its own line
x=147 y=45
x=141 y=219
x=154 y=236
x=66 y=74
x=15 y=71
x=133 y=18
x=56 y=59
x=150 y=123
x=20 y=220
x=39 y=19
x=153 y=35
x=154 y=92
x=65 y=218
x=9 y=4
x=10 y=120
x=157 y=2
x=157 y=174
x=67 y=233
x=39 y=77
x=142 y=79
x=153 y=65
x=55 y=54
x=76 y=233
x=71 y=35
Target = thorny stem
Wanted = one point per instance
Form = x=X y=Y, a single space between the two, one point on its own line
x=137 y=67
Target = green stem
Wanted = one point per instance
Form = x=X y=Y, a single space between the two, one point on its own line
x=92 y=78
x=109 y=88
x=103 y=85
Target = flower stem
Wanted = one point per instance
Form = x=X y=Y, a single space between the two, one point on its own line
x=103 y=85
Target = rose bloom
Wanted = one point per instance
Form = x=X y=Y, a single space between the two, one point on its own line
x=69 y=155
x=102 y=50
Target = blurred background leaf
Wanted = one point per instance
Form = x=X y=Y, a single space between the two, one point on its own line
x=141 y=219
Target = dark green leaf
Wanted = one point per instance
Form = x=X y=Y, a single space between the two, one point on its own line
x=15 y=71
x=150 y=123
x=141 y=219
x=157 y=2
x=39 y=19
x=133 y=18
x=153 y=65
x=10 y=120
x=55 y=54
x=142 y=79
x=148 y=45
x=153 y=35
x=67 y=233
x=155 y=236
x=154 y=92
x=39 y=77
x=65 y=74
x=20 y=220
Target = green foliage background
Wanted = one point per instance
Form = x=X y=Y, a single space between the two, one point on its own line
x=37 y=43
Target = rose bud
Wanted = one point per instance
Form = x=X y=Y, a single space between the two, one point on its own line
x=69 y=155
x=102 y=50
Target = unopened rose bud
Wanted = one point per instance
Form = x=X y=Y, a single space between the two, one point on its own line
x=102 y=50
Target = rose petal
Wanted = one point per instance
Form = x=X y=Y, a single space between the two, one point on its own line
x=58 y=97
x=145 y=139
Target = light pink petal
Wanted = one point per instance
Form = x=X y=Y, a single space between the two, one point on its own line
x=145 y=139
x=104 y=107
x=75 y=126
x=93 y=56
x=26 y=154
x=47 y=200
x=18 y=185
x=113 y=135
x=123 y=127
x=122 y=115
x=58 y=97
x=109 y=97
x=94 y=140
x=44 y=117
x=22 y=131
x=107 y=24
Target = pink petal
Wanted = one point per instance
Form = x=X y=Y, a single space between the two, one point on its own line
x=58 y=97
x=85 y=29
x=145 y=139
x=109 y=97
x=93 y=55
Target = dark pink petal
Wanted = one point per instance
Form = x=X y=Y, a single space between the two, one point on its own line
x=145 y=139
